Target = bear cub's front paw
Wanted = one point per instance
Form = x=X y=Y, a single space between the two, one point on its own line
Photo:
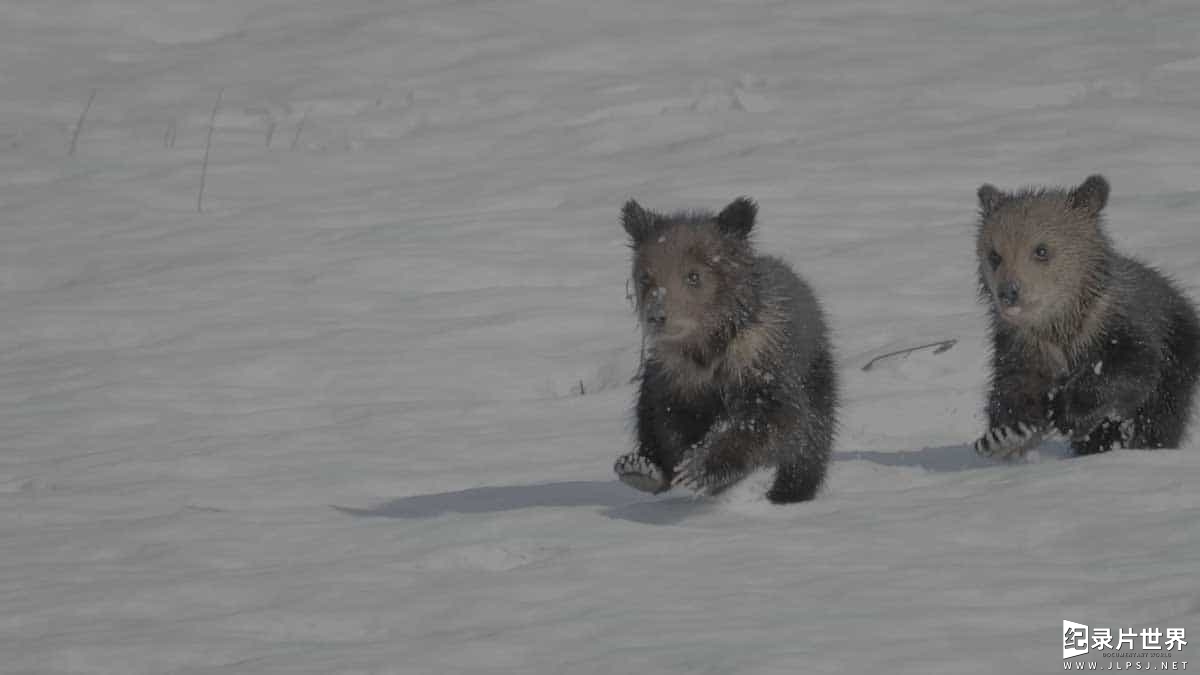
x=640 y=473
x=692 y=473
x=1008 y=442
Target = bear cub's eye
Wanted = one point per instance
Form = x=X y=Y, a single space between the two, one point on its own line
x=1041 y=253
x=994 y=258
x=692 y=279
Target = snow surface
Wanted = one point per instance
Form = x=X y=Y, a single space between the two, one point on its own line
x=359 y=415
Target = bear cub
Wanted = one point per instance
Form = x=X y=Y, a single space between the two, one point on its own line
x=1086 y=342
x=738 y=372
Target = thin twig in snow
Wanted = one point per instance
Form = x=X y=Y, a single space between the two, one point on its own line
x=79 y=124
x=299 y=128
x=212 y=123
x=940 y=347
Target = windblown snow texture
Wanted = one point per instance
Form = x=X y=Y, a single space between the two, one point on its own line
x=407 y=272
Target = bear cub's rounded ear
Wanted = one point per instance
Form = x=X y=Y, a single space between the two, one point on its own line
x=990 y=197
x=1091 y=195
x=637 y=221
x=737 y=219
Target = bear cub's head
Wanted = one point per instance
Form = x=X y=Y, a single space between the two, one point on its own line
x=1042 y=252
x=692 y=272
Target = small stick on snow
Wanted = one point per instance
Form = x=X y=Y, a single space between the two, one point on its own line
x=169 y=135
x=270 y=132
x=79 y=125
x=299 y=128
x=212 y=123
x=940 y=347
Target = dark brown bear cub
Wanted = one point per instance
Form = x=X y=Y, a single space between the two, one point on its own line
x=738 y=372
x=1085 y=341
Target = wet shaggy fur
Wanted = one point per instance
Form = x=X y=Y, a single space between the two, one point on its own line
x=738 y=372
x=1086 y=342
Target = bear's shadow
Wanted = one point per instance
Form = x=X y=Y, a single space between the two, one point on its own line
x=619 y=501
x=950 y=458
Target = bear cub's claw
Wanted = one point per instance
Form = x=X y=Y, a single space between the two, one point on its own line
x=640 y=473
x=1008 y=442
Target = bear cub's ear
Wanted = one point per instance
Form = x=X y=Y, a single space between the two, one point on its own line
x=737 y=219
x=1091 y=195
x=990 y=197
x=638 y=222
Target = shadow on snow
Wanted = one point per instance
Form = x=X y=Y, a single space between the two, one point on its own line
x=947 y=459
x=621 y=502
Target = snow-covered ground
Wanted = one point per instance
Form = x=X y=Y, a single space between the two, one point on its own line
x=359 y=415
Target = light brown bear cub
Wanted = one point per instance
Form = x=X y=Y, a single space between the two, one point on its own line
x=1086 y=342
